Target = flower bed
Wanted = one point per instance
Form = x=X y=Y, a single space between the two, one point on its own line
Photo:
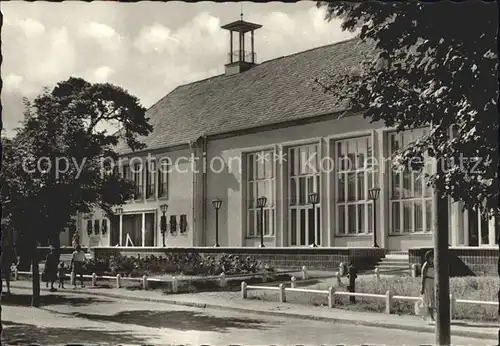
x=190 y=264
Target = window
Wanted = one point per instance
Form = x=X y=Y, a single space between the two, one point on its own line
x=260 y=182
x=479 y=228
x=96 y=227
x=150 y=179
x=137 y=179
x=163 y=179
x=410 y=198
x=303 y=179
x=354 y=179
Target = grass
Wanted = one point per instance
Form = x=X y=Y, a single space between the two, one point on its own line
x=470 y=288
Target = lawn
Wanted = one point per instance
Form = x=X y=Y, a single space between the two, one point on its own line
x=470 y=288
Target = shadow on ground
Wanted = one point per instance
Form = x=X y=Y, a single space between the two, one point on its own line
x=50 y=299
x=180 y=320
x=24 y=334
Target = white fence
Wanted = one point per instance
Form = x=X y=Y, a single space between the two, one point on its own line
x=174 y=281
x=330 y=293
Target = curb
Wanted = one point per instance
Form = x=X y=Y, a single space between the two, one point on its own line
x=422 y=329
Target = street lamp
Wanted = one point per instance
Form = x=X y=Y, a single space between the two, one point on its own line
x=313 y=198
x=163 y=222
x=217 y=203
x=261 y=203
x=373 y=194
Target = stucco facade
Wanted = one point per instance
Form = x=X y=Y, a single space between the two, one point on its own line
x=217 y=167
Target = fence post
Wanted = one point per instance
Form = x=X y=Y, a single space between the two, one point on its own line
x=331 y=299
x=388 y=302
x=341 y=269
x=16 y=274
x=452 y=305
x=294 y=282
x=414 y=270
x=175 y=288
x=72 y=278
x=377 y=273
x=118 y=281
x=304 y=273
x=243 y=290
x=282 y=293
x=339 y=280
x=222 y=280
x=94 y=279
x=264 y=277
x=145 y=282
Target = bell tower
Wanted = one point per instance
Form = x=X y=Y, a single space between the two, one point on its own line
x=240 y=60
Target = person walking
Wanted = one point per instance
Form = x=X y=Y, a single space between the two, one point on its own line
x=77 y=262
x=7 y=259
x=427 y=291
x=50 y=270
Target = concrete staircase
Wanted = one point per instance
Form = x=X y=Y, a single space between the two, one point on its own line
x=394 y=264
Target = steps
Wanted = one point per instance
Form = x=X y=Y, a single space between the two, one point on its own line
x=394 y=263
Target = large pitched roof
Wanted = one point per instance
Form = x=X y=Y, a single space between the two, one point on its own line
x=272 y=92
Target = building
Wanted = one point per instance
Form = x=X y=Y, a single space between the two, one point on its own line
x=269 y=130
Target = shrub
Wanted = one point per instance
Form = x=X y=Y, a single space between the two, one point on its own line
x=187 y=264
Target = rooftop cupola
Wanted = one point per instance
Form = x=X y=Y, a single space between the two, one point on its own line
x=240 y=60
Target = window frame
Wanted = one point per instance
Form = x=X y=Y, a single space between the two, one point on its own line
x=295 y=173
x=425 y=198
x=163 y=178
x=252 y=190
x=368 y=182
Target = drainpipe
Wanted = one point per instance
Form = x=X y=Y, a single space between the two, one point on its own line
x=204 y=189
x=192 y=149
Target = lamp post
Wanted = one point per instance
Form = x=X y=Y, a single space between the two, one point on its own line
x=373 y=194
x=217 y=203
x=163 y=222
x=261 y=203
x=119 y=211
x=312 y=198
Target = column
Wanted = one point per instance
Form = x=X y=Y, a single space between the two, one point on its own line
x=329 y=171
x=231 y=47
x=143 y=229
x=253 y=50
x=121 y=229
x=380 y=179
x=491 y=232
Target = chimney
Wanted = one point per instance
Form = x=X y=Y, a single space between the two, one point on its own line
x=240 y=60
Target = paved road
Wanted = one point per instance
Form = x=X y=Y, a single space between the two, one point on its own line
x=67 y=318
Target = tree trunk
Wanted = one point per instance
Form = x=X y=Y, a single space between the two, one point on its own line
x=35 y=279
x=441 y=265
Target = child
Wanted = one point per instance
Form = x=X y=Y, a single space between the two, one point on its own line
x=61 y=273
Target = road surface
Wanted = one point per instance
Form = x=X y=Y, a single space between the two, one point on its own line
x=68 y=318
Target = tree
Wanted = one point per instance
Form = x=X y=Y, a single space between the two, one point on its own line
x=433 y=64
x=60 y=162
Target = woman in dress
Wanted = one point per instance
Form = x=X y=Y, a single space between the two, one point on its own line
x=427 y=291
x=51 y=263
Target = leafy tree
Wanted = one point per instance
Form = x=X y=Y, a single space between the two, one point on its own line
x=433 y=64
x=60 y=162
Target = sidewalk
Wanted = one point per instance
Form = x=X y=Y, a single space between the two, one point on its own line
x=233 y=301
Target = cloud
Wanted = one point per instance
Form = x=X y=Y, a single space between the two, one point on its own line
x=108 y=38
x=149 y=55
x=12 y=82
x=156 y=38
x=101 y=74
x=31 y=27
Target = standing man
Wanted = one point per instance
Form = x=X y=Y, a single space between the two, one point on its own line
x=7 y=259
x=77 y=262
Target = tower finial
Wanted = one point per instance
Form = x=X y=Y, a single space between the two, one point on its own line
x=241 y=14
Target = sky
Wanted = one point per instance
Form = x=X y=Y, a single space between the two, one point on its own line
x=148 y=48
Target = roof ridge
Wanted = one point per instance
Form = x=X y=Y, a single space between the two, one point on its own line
x=268 y=61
